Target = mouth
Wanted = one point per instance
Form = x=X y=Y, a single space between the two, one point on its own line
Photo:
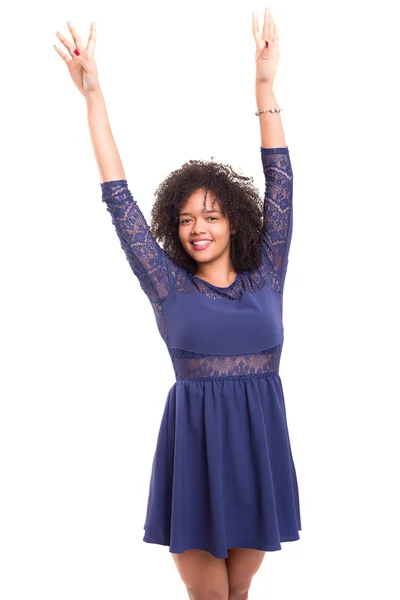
x=201 y=245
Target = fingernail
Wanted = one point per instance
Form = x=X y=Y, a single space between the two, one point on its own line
x=76 y=52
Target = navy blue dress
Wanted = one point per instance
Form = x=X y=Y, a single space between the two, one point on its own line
x=223 y=474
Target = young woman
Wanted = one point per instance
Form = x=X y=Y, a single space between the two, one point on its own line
x=223 y=486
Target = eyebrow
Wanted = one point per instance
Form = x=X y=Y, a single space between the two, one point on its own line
x=207 y=211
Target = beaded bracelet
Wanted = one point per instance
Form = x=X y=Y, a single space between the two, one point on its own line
x=271 y=110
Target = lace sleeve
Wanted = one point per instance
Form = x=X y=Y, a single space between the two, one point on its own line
x=278 y=213
x=148 y=261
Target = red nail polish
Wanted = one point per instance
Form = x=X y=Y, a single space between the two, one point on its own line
x=266 y=44
x=76 y=52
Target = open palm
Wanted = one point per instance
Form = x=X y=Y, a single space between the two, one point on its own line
x=267 y=55
x=83 y=69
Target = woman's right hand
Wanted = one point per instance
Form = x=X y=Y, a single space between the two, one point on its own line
x=82 y=68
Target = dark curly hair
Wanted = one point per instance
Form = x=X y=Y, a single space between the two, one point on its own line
x=239 y=200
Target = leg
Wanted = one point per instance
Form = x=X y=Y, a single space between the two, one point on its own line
x=242 y=564
x=204 y=575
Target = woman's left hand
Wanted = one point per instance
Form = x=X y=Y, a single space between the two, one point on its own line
x=266 y=67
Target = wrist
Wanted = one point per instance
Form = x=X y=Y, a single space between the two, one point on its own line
x=267 y=85
x=93 y=95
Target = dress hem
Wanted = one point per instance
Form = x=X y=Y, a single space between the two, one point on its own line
x=261 y=547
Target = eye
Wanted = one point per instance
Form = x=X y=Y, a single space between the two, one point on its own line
x=185 y=220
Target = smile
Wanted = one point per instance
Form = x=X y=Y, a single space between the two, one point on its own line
x=201 y=245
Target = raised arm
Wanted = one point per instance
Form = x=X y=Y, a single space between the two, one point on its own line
x=147 y=259
x=267 y=59
x=278 y=214
x=275 y=156
x=83 y=71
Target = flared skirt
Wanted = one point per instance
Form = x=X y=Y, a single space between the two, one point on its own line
x=223 y=474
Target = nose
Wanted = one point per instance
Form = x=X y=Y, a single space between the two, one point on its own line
x=196 y=229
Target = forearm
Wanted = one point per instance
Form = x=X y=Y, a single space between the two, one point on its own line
x=105 y=149
x=271 y=128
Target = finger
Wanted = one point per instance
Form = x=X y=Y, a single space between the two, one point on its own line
x=92 y=40
x=271 y=26
x=256 y=31
x=66 y=43
x=65 y=58
x=75 y=37
x=266 y=33
x=273 y=31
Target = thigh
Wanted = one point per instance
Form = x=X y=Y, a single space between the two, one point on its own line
x=203 y=574
x=242 y=564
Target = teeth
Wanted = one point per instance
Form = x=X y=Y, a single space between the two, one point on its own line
x=201 y=243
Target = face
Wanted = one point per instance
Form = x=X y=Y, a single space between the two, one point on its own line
x=197 y=221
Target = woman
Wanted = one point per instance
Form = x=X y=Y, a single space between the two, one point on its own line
x=223 y=487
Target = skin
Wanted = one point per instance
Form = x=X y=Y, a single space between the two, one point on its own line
x=210 y=578
x=206 y=577
x=197 y=220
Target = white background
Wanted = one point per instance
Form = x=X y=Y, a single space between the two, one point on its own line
x=84 y=372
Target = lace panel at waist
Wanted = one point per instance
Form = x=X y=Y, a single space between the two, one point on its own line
x=190 y=365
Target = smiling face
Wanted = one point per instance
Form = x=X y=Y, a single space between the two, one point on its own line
x=199 y=222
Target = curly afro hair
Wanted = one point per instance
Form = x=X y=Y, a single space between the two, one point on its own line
x=238 y=198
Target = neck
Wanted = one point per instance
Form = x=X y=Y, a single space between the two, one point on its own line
x=221 y=274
